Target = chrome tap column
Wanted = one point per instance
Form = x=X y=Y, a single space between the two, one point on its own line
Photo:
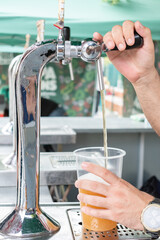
x=10 y=160
x=27 y=219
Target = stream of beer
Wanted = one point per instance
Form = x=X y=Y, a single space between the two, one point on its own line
x=104 y=127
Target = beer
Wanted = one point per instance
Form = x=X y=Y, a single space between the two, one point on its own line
x=94 y=223
x=104 y=127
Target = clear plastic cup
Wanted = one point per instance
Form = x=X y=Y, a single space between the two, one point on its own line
x=114 y=164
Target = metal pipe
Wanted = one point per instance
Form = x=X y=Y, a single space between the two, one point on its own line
x=100 y=74
x=8 y=128
x=10 y=160
x=11 y=128
x=27 y=219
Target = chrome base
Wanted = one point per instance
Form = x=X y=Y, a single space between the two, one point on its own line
x=31 y=223
x=69 y=216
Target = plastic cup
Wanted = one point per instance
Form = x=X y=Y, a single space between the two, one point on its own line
x=114 y=164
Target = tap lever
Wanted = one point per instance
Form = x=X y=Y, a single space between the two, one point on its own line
x=66 y=33
x=138 y=43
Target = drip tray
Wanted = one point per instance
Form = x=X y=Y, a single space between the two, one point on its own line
x=121 y=232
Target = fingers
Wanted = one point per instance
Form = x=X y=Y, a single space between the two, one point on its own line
x=103 y=173
x=92 y=186
x=97 y=37
x=99 y=213
x=145 y=33
x=128 y=32
x=109 y=41
x=122 y=35
x=93 y=200
x=115 y=37
x=117 y=33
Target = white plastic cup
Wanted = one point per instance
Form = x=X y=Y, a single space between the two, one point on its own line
x=114 y=164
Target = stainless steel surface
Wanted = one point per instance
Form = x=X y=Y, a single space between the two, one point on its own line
x=27 y=219
x=80 y=233
x=12 y=86
x=78 y=125
x=11 y=159
x=100 y=74
x=71 y=71
x=69 y=217
x=27 y=122
x=72 y=51
x=63 y=161
x=55 y=169
x=59 y=133
x=89 y=55
x=7 y=129
x=55 y=210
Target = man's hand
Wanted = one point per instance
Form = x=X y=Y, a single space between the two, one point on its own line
x=135 y=63
x=122 y=203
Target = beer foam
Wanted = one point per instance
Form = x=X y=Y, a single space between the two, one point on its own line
x=93 y=177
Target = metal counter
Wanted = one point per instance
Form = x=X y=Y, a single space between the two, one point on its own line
x=87 y=128
x=55 y=169
x=52 y=132
x=62 y=130
x=69 y=217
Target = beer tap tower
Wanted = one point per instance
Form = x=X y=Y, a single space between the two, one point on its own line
x=27 y=219
x=10 y=127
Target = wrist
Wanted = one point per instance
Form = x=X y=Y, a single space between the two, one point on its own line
x=146 y=79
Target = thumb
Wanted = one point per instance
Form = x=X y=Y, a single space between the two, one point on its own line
x=145 y=33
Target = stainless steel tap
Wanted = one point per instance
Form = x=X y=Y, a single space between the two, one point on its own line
x=8 y=128
x=11 y=128
x=27 y=219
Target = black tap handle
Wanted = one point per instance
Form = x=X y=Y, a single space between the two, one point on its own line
x=66 y=33
x=138 y=43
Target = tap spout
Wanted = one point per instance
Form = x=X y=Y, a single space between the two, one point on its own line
x=29 y=219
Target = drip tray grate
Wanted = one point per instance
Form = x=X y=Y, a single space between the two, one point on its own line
x=61 y=160
x=121 y=232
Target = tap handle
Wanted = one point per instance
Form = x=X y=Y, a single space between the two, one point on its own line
x=66 y=33
x=138 y=43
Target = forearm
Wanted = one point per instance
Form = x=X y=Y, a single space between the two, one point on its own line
x=148 y=92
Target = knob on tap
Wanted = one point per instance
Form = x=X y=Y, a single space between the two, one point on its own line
x=66 y=33
x=90 y=51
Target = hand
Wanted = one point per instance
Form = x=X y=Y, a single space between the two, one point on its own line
x=123 y=202
x=133 y=64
